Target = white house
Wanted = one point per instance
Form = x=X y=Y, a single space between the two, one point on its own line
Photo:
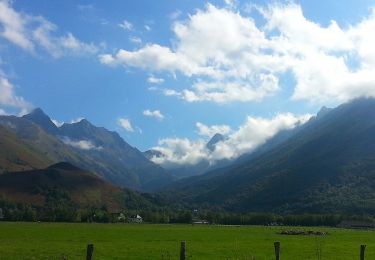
x=135 y=219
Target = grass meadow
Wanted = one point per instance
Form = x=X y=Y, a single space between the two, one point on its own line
x=146 y=241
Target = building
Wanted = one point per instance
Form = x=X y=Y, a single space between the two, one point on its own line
x=201 y=221
x=135 y=219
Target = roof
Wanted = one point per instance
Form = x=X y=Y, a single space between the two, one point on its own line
x=136 y=216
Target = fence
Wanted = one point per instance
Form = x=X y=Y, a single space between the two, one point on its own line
x=277 y=245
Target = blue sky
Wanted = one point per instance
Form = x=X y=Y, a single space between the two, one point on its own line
x=152 y=70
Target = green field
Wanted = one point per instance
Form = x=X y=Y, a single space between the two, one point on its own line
x=126 y=241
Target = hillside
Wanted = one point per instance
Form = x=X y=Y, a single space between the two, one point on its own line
x=328 y=165
x=17 y=155
x=61 y=181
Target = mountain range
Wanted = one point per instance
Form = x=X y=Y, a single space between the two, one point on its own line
x=326 y=165
x=85 y=145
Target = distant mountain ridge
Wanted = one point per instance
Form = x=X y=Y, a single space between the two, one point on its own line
x=93 y=148
x=326 y=165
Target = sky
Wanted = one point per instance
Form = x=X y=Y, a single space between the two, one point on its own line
x=170 y=74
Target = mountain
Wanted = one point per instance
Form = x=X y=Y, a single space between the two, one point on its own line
x=94 y=148
x=40 y=118
x=123 y=163
x=17 y=155
x=326 y=165
x=78 y=186
x=214 y=140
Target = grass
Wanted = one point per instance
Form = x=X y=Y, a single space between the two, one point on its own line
x=132 y=241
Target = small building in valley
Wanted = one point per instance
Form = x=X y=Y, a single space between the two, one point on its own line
x=135 y=219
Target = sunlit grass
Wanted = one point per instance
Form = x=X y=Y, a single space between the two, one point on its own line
x=125 y=241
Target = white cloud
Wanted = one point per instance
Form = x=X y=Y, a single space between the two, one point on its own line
x=177 y=151
x=32 y=32
x=61 y=45
x=229 y=58
x=254 y=132
x=72 y=44
x=154 y=80
x=135 y=39
x=125 y=124
x=152 y=57
x=171 y=92
x=13 y=25
x=210 y=131
x=209 y=44
x=81 y=144
x=8 y=97
x=126 y=25
x=155 y=113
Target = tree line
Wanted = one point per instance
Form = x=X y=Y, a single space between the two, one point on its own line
x=71 y=213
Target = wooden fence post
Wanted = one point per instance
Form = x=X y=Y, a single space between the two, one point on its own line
x=90 y=251
x=362 y=256
x=183 y=250
x=277 y=250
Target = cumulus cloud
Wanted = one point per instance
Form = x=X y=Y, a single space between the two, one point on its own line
x=230 y=58
x=8 y=97
x=210 y=131
x=155 y=113
x=33 y=32
x=81 y=144
x=125 y=124
x=154 y=80
x=254 y=132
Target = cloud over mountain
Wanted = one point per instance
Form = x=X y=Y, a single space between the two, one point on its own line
x=252 y=133
x=81 y=144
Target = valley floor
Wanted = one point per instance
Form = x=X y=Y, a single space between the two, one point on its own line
x=146 y=241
